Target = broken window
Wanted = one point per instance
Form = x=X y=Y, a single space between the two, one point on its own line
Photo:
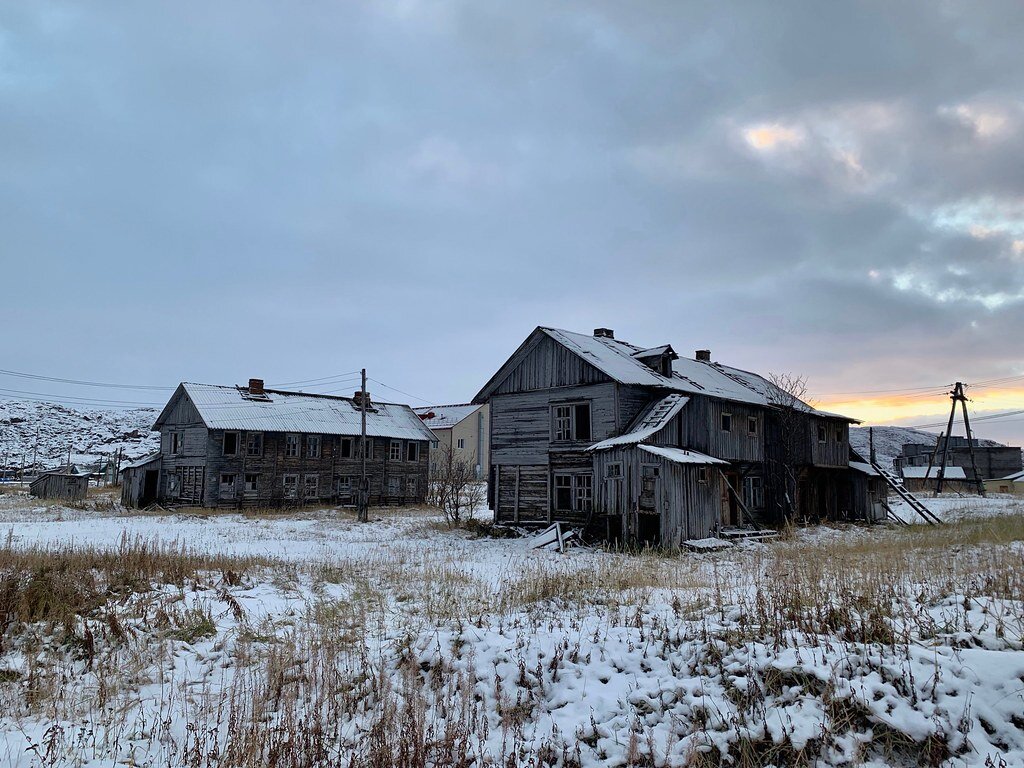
x=230 y=444
x=752 y=425
x=702 y=475
x=252 y=482
x=291 y=486
x=727 y=422
x=346 y=448
x=571 y=422
x=412 y=451
x=822 y=434
x=311 y=486
x=395 y=451
x=227 y=485
x=291 y=446
x=254 y=444
x=313 y=446
x=614 y=470
x=573 y=492
x=175 y=443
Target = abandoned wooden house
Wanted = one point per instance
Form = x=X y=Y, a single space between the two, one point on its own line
x=223 y=446
x=63 y=485
x=642 y=445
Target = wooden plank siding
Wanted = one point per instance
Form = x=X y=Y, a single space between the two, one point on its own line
x=549 y=365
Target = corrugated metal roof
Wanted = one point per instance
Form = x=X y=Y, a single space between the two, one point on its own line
x=447 y=416
x=223 y=407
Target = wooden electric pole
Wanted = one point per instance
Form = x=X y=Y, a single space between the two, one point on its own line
x=364 y=485
x=958 y=396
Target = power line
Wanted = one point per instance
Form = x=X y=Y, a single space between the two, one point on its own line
x=46 y=397
x=402 y=392
x=81 y=382
x=313 y=381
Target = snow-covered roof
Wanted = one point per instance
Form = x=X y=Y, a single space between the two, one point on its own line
x=447 y=416
x=864 y=467
x=142 y=462
x=681 y=455
x=223 y=407
x=621 y=361
x=922 y=473
x=650 y=421
x=1016 y=477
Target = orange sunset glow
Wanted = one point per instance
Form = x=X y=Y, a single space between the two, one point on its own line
x=913 y=409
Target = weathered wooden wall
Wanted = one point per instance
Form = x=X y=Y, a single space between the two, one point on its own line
x=60 y=487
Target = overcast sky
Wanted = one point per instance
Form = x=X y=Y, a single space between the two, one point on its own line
x=212 y=191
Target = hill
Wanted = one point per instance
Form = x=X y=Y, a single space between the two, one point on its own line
x=91 y=435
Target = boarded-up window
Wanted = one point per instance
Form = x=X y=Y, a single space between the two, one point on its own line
x=394 y=486
x=230 y=443
x=291 y=446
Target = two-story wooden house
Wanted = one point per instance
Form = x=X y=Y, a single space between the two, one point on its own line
x=644 y=445
x=223 y=446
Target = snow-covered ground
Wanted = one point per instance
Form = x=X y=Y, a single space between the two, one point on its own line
x=312 y=639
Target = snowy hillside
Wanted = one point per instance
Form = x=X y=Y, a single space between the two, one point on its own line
x=889 y=441
x=90 y=434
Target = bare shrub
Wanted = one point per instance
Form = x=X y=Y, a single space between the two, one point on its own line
x=454 y=488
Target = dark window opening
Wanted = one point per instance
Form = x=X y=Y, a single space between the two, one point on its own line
x=727 y=422
x=230 y=443
x=571 y=422
x=752 y=425
x=346 y=448
x=412 y=451
x=822 y=435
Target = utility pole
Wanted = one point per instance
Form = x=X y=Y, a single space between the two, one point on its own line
x=35 y=450
x=871 y=445
x=364 y=485
x=958 y=396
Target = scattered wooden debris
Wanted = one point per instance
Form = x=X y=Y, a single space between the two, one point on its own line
x=555 y=539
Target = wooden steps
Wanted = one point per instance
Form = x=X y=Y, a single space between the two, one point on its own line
x=896 y=483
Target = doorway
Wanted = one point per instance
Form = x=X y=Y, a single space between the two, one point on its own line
x=149 y=486
x=730 y=508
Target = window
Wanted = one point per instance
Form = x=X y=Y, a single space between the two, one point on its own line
x=313 y=446
x=227 y=486
x=311 y=486
x=291 y=486
x=822 y=435
x=571 y=422
x=702 y=475
x=411 y=486
x=368 y=447
x=573 y=492
x=254 y=444
x=753 y=492
x=613 y=471
x=230 y=444
x=343 y=485
x=752 y=425
x=727 y=422
x=252 y=483
x=395 y=453
x=173 y=485
x=175 y=443
x=412 y=451
x=394 y=486
x=461 y=443
x=346 y=448
x=291 y=446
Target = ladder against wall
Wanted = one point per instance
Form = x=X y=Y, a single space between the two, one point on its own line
x=896 y=484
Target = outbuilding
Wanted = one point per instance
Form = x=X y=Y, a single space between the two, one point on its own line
x=63 y=486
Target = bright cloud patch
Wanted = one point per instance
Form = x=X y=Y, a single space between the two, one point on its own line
x=769 y=136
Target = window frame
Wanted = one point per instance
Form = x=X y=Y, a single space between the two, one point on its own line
x=609 y=475
x=254 y=491
x=350 y=453
x=395 y=446
x=725 y=422
x=752 y=426
x=822 y=434
x=570 y=424
x=294 y=477
x=703 y=474
x=753 y=492
x=314 y=440
x=177 y=443
x=394 y=485
x=369 y=448
x=412 y=451
x=224 y=443
x=580 y=494
x=231 y=485
x=292 y=445
x=252 y=438
x=460 y=443
x=315 y=477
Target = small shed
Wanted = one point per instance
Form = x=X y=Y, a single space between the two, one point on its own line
x=869 y=490
x=65 y=486
x=140 y=481
x=925 y=479
x=1012 y=484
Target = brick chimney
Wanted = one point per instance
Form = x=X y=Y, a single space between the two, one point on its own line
x=427 y=416
x=256 y=386
x=604 y=333
x=358 y=397
x=704 y=355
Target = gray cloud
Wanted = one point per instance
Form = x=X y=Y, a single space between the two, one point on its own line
x=212 y=191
